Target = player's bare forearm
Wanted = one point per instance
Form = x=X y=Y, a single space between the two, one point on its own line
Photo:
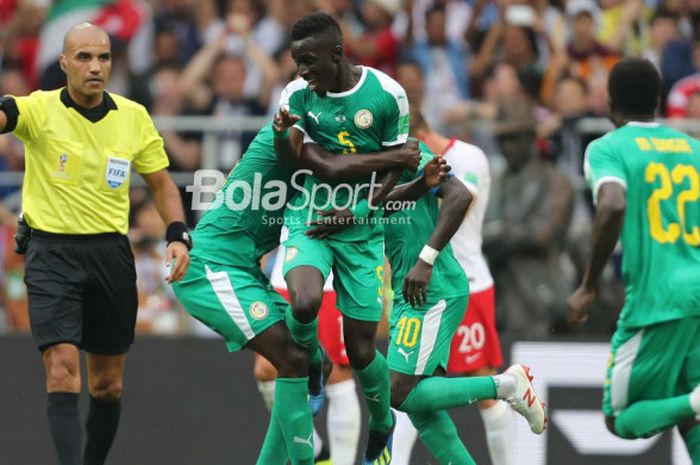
x=330 y=167
x=435 y=172
x=408 y=191
x=166 y=196
x=456 y=199
x=609 y=219
x=387 y=183
x=3 y=121
x=287 y=149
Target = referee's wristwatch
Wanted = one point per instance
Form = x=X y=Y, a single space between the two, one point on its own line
x=177 y=231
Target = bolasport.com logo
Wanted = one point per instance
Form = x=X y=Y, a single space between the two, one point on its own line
x=210 y=191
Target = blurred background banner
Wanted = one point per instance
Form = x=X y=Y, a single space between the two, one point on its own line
x=189 y=402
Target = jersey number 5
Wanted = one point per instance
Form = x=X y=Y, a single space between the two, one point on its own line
x=678 y=177
x=344 y=139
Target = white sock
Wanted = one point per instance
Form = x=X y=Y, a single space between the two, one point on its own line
x=267 y=391
x=505 y=385
x=343 y=422
x=405 y=436
x=498 y=423
x=318 y=443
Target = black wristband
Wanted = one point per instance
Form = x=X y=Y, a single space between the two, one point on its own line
x=177 y=231
x=9 y=107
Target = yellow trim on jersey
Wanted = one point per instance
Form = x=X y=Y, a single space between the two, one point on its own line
x=77 y=171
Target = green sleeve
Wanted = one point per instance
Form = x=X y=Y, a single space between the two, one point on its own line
x=396 y=118
x=602 y=164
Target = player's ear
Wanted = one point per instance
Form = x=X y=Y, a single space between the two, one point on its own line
x=62 y=62
x=338 y=52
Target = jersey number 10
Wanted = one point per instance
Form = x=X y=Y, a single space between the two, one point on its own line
x=669 y=179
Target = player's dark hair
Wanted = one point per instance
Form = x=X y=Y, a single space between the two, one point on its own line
x=634 y=86
x=316 y=24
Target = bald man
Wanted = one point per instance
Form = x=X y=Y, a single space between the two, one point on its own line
x=80 y=145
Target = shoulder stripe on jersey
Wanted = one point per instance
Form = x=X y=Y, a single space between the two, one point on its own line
x=604 y=180
x=290 y=89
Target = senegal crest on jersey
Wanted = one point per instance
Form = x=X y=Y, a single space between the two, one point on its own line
x=363 y=119
x=259 y=311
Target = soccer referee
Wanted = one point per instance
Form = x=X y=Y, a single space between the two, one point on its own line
x=80 y=144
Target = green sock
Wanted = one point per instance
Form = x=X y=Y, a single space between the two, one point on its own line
x=291 y=409
x=692 y=443
x=306 y=335
x=374 y=379
x=274 y=449
x=439 y=434
x=648 y=417
x=438 y=393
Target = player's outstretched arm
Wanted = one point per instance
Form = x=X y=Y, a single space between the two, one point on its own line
x=435 y=172
x=352 y=167
x=609 y=218
x=288 y=140
x=456 y=199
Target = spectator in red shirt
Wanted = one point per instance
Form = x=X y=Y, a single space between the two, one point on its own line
x=680 y=95
x=378 y=46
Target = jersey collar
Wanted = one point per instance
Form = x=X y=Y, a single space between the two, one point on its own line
x=91 y=114
x=644 y=124
x=354 y=89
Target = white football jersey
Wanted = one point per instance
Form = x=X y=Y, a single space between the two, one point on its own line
x=277 y=278
x=470 y=165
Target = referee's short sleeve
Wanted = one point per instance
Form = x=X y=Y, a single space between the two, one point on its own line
x=32 y=112
x=152 y=156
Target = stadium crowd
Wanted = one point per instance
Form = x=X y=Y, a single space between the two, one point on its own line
x=471 y=66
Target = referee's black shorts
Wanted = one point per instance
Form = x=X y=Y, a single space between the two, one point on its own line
x=82 y=291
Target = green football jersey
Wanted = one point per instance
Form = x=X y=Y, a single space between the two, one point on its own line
x=370 y=117
x=246 y=220
x=660 y=168
x=405 y=234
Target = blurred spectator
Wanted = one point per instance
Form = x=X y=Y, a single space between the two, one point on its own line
x=621 y=23
x=663 y=29
x=20 y=38
x=514 y=40
x=218 y=82
x=209 y=21
x=13 y=82
x=586 y=55
x=411 y=22
x=377 y=46
x=565 y=143
x=679 y=97
x=410 y=75
x=267 y=33
x=526 y=223
x=158 y=310
x=176 y=30
x=184 y=149
x=501 y=85
x=443 y=62
x=598 y=93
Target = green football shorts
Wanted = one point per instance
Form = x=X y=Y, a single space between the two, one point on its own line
x=358 y=270
x=238 y=303
x=654 y=362
x=421 y=337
